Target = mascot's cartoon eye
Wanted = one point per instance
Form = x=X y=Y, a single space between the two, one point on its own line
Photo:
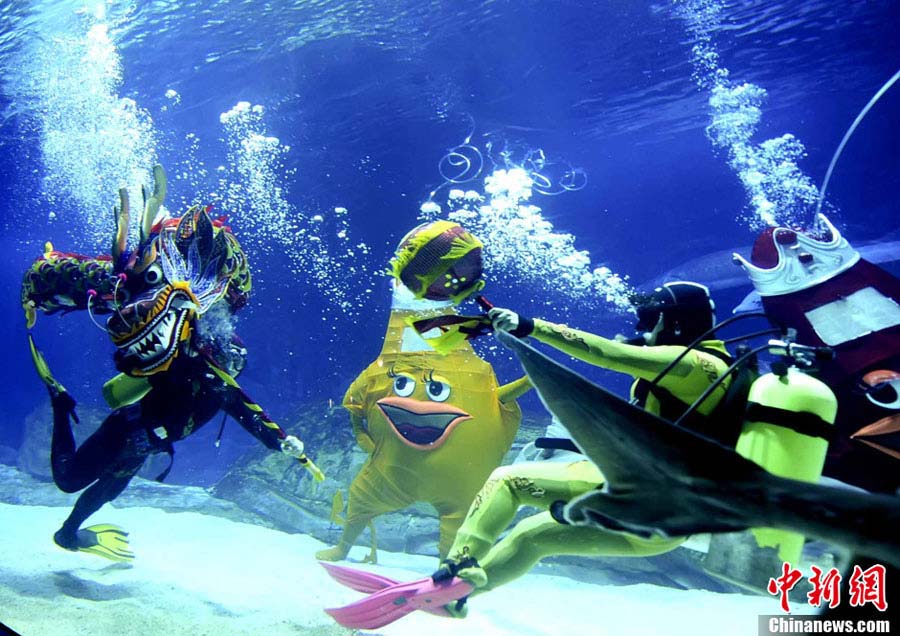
x=404 y=385
x=885 y=394
x=153 y=274
x=437 y=391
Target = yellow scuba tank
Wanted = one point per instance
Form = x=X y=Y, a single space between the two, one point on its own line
x=787 y=424
x=786 y=430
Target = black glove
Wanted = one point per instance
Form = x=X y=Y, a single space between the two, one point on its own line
x=64 y=403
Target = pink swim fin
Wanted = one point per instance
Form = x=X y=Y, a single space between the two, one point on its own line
x=359 y=580
x=395 y=601
x=369 y=582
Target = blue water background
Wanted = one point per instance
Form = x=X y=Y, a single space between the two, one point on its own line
x=366 y=98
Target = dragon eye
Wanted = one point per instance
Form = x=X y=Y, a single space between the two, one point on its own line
x=153 y=274
x=404 y=385
x=437 y=391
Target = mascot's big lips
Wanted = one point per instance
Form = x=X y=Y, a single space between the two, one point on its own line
x=162 y=323
x=421 y=425
x=886 y=432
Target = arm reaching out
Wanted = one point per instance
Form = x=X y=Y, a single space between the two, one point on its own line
x=251 y=416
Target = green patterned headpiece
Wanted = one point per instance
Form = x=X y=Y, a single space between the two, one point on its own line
x=439 y=261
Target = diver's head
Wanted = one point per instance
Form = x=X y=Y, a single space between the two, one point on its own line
x=675 y=313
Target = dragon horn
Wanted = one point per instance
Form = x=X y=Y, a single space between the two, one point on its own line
x=153 y=201
x=122 y=216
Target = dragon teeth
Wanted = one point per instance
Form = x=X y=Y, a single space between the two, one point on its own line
x=155 y=342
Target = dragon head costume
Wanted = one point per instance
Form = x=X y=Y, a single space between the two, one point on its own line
x=154 y=293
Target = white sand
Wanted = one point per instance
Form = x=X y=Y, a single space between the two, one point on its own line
x=199 y=575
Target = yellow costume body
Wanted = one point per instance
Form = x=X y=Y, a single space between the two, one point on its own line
x=434 y=425
x=540 y=484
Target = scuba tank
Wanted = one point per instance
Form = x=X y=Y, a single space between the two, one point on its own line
x=784 y=425
x=787 y=426
x=786 y=431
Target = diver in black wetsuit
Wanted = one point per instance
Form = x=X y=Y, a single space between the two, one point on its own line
x=179 y=402
x=176 y=374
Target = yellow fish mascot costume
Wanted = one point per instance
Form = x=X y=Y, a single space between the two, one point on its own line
x=434 y=424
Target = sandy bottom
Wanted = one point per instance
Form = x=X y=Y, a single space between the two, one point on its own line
x=197 y=575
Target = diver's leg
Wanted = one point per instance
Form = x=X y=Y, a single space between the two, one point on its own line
x=536 y=484
x=73 y=469
x=66 y=475
x=109 y=486
x=541 y=535
x=371 y=494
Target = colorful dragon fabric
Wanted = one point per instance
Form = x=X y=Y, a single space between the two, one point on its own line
x=168 y=304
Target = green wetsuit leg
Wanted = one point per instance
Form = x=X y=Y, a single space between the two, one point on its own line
x=541 y=535
x=538 y=484
x=449 y=526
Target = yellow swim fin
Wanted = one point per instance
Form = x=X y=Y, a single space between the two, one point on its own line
x=30 y=313
x=106 y=540
x=40 y=365
x=123 y=390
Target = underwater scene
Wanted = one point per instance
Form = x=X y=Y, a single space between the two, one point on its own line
x=501 y=317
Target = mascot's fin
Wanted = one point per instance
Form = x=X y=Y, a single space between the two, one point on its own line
x=372 y=556
x=337 y=518
x=515 y=389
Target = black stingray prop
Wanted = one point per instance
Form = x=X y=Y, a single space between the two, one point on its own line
x=669 y=481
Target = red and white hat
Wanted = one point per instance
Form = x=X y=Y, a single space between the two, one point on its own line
x=823 y=288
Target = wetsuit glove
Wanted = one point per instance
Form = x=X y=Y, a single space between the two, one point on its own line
x=64 y=404
x=292 y=446
x=511 y=322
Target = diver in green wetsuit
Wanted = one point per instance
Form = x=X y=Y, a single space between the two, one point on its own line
x=673 y=316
